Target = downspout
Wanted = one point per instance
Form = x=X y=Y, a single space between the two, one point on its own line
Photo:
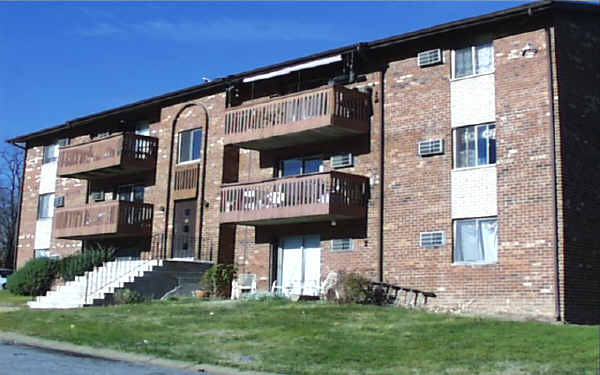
x=203 y=187
x=171 y=167
x=381 y=171
x=16 y=239
x=551 y=52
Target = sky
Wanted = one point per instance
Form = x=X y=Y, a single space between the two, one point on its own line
x=59 y=61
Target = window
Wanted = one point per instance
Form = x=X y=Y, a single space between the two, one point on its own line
x=190 y=145
x=475 y=145
x=476 y=240
x=473 y=60
x=50 y=153
x=292 y=167
x=46 y=206
x=131 y=193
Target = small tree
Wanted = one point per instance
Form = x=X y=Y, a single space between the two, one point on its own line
x=218 y=279
x=11 y=164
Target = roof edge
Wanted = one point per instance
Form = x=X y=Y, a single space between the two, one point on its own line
x=380 y=43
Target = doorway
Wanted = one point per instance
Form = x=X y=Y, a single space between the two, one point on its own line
x=299 y=265
x=184 y=229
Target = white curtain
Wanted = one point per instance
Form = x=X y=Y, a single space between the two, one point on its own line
x=489 y=239
x=467 y=249
x=485 y=58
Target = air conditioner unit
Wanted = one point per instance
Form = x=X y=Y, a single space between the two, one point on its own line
x=59 y=201
x=341 y=161
x=98 y=196
x=342 y=244
x=432 y=239
x=428 y=58
x=431 y=147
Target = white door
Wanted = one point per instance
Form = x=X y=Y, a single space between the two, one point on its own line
x=300 y=265
x=312 y=265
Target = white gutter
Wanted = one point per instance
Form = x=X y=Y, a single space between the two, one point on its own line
x=289 y=69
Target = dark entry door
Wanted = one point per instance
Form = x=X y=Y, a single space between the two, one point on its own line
x=184 y=229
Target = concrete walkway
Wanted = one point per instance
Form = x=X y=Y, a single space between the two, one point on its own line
x=121 y=356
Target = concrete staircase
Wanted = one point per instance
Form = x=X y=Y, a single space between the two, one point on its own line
x=151 y=278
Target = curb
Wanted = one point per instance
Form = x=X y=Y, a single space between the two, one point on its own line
x=115 y=355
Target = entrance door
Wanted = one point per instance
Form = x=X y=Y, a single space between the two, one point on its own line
x=299 y=269
x=184 y=229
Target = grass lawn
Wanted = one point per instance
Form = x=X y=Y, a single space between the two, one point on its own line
x=320 y=338
x=9 y=300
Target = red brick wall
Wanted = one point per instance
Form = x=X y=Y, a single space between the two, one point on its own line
x=417 y=190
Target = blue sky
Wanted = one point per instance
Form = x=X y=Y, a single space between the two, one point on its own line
x=64 y=60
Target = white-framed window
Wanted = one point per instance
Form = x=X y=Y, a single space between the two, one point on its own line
x=476 y=240
x=50 y=153
x=46 y=206
x=473 y=60
x=475 y=145
x=190 y=145
x=298 y=166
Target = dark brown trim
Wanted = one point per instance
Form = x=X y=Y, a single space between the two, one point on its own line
x=381 y=173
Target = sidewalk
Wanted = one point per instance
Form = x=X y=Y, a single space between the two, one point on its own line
x=121 y=356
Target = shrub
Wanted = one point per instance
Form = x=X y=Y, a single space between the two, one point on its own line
x=78 y=264
x=127 y=297
x=353 y=288
x=218 y=279
x=34 y=278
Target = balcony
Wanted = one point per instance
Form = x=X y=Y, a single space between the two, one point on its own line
x=311 y=116
x=106 y=219
x=320 y=196
x=105 y=157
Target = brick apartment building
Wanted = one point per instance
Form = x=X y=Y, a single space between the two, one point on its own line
x=460 y=159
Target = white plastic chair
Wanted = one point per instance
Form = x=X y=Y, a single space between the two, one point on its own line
x=244 y=283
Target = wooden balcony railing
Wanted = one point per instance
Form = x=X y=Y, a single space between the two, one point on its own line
x=314 y=197
x=186 y=181
x=117 y=154
x=106 y=219
x=310 y=116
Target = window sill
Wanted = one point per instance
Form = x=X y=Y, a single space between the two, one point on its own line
x=475 y=167
x=472 y=76
x=474 y=264
x=195 y=161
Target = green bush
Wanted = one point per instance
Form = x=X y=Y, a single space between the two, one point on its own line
x=34 y=278
x=127 y=297
x=78 y=264
x=218 y=279
x=353 y=288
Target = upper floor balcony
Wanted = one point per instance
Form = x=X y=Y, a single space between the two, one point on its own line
x=115 y=218
x=306 y=117
x=113 y=155
x=323 y=196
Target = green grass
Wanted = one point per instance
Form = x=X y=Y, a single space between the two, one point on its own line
x=10 y=300
x=319 y=338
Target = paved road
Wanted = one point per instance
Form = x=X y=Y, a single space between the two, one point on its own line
x=24 y=360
